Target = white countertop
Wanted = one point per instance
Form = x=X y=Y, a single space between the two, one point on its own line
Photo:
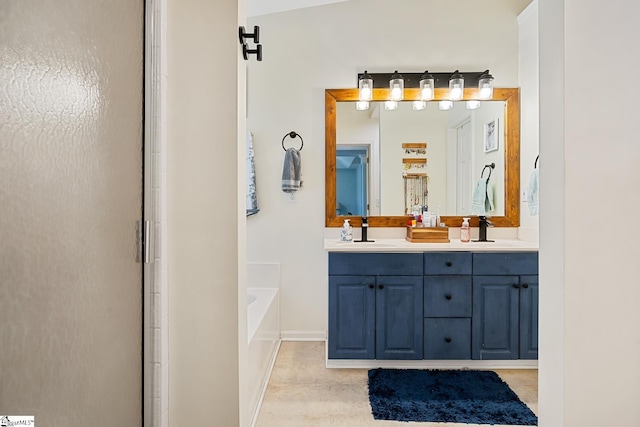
x=402 y=245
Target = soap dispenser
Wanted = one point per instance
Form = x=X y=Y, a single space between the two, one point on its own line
x=465 y=230
x=346 y=233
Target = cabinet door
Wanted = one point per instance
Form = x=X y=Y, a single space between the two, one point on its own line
x=495 y=317
x=528 y=317
x=351 y=317
x=399 y=317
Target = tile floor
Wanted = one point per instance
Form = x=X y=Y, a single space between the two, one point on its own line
x=303 y=393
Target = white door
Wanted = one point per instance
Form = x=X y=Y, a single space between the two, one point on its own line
x=464 y=180
x=71 y=120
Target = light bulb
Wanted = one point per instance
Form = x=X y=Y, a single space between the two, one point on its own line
x=456 y=86
x=419 y=105
x=365 y=94
x=396 y=93
x=426 y=94
x=486 y=92
x=473 y=104
x=456 y=93
x=445 y=105
x=396 y=87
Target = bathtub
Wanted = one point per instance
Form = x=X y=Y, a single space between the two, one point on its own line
x=263 y=329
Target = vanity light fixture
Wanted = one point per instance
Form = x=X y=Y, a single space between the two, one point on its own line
x=396 y=87
x=362 y=105
x=427 y=86
x=365 y=87
x=445 y=105
x=419 y=105
x=485 y=86
x=456 y=86
x=428 y=83
x=390 y=105
x=473 y=104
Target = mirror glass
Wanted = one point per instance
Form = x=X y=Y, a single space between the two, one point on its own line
x=376 y=150
x=385 y=164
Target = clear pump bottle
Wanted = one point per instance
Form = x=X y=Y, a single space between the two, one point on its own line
x=346 y=233
x=465 y=230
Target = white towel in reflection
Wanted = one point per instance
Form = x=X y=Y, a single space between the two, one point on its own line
x=252 y=196
x=532 y=192
x=482 y=202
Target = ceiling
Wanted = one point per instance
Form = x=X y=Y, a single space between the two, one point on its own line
x=265 y=7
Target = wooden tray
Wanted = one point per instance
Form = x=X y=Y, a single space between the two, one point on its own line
x=428 y=234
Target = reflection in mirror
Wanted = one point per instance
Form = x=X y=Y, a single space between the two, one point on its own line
x=384 y=164
x=450 y=141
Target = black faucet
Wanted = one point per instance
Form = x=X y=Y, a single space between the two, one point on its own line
x=365 y=227
x=484 y=223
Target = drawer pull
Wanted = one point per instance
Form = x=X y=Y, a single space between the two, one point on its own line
x=371 y=286
x=526 y=285
x=448 y=296
x=447 y=340
x=449 y=263
x=516 y=286
x=380 y=286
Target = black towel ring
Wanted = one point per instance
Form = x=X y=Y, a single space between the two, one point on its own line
x=491 y=166
x=535 y=164
x=293 y=134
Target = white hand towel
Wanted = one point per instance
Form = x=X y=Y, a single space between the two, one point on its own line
x=532 y=192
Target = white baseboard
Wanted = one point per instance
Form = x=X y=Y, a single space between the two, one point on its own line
x=432 y=364
x=303 y=335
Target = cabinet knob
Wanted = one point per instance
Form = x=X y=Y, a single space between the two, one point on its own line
x=525 y=285
x=516 y=286
x=380 y=286
x=448 y=296
x=448 y=340
x=371 y=286
x=449 y=263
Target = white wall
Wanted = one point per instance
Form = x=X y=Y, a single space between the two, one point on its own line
x=589 y=337
x=529 y=112
x=205 y=111
x=309 y=50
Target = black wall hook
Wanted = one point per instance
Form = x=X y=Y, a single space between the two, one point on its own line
x=243 y=35
x=255 y=36
x=491 y=167
x=246 y=51
x=293 y=134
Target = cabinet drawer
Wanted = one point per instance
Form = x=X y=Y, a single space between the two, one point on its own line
x=389 y=264
x=447 y=296
x=447 y=263
x=447 y=339
x=498 y=263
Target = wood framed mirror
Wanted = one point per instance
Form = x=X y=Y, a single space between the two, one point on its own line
x=509 y=132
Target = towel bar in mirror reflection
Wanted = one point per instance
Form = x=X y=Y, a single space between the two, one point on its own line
x=384 y=200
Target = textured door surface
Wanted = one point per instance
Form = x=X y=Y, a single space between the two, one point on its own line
x=495 y=317
x=71 y=75
x=352 y=317
x=399 y=319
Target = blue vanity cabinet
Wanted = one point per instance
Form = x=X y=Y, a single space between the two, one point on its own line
x=529 y=317
x=447 y=305
x=352 y=311
x=505 y=306
x=375 y=306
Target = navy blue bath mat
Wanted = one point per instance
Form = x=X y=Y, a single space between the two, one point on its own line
x=472 y=397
